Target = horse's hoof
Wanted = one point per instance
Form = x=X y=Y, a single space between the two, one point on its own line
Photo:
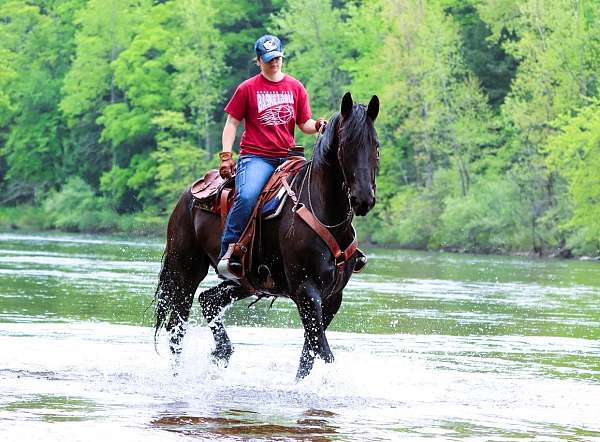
x=221 y=355
x=302 y=373
x=176 y=364
x=327 y=357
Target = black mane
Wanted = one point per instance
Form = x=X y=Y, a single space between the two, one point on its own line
x=356 y=130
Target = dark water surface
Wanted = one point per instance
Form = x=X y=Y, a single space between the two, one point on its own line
x=427 y=346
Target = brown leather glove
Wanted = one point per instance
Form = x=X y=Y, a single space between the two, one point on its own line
x=320 y=124
x=227 y=167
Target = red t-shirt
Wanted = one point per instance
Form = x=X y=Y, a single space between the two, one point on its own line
x=270 y=111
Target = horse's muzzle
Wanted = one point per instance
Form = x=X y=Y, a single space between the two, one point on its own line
x=362 y=206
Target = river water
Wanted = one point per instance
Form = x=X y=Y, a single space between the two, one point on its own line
x=445 y=346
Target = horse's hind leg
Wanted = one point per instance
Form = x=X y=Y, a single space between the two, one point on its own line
x=214 y=302
x=307 y=359
x=183 y=285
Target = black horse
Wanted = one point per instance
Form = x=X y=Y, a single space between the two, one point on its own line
x=337 y=183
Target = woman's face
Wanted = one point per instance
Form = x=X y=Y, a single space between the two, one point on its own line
x=272 y=67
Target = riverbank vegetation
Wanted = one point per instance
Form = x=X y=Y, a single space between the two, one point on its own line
x=489 y=122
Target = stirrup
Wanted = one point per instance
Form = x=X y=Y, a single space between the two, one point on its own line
x=230 y=265
x=229 y=270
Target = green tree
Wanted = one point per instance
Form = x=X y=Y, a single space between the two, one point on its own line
x=482 y=51
x=36 y=45
x=556 y=48
x=178 y=159
x=76 y=208
x=318 y=44
x=201 y=70
x=104 y=30
x=173 y=67
x=492 y=218
x=574 y=153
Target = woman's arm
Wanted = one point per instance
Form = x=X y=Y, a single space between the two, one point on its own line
x=229 y=131
x=311 y=126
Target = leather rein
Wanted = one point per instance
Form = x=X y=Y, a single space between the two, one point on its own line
x=308 y=215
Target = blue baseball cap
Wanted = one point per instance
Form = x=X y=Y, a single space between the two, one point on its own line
x=268 y=47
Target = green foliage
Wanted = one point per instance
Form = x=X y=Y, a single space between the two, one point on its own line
x=200 y=77
x=318 y=44
x=25 y=217
x=404 y=220
x=104 y=31
x=130 y=188
x=35 y=45
x=76 y=208
x=7 y=75
x=178 y=161
x=574 y=152
x=489 y=122
x=482 y=52
x=435 y=104
x=490 y=219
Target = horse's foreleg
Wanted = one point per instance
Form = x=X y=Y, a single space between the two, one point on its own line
x=315 y=342
x=307 y=359
x=330 y=308
x=214 y=302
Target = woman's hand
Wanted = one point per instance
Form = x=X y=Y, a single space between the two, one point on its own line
x=227 y=167
x=320 y=124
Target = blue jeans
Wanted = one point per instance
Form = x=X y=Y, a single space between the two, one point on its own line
x=253 y=172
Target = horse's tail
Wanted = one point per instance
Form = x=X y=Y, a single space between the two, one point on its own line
x=179 y=229
x=162 y=298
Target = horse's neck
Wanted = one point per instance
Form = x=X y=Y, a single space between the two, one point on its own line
x=328 y=199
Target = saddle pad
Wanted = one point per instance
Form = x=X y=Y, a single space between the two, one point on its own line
x=272 y=208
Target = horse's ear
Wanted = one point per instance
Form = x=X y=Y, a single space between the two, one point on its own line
x=346 y=105
x=373 y=108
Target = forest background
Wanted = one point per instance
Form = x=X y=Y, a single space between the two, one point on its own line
x=489 y=122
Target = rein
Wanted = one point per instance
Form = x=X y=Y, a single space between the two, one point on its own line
x=309 y=175
x=308 y=215
x=333 y=226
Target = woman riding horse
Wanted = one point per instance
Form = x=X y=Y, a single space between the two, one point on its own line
x=309 y=250
x=270 y=104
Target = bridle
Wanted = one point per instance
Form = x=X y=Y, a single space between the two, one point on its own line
x=345 y=187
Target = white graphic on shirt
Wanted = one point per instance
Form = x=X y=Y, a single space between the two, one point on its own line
x=275 y=108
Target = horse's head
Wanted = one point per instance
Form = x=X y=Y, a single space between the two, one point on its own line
x=358 y=152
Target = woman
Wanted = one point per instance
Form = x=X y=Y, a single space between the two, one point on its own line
x=271 y=104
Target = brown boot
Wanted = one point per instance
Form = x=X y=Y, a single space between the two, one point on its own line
x=361 y=261
x=230 y=265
